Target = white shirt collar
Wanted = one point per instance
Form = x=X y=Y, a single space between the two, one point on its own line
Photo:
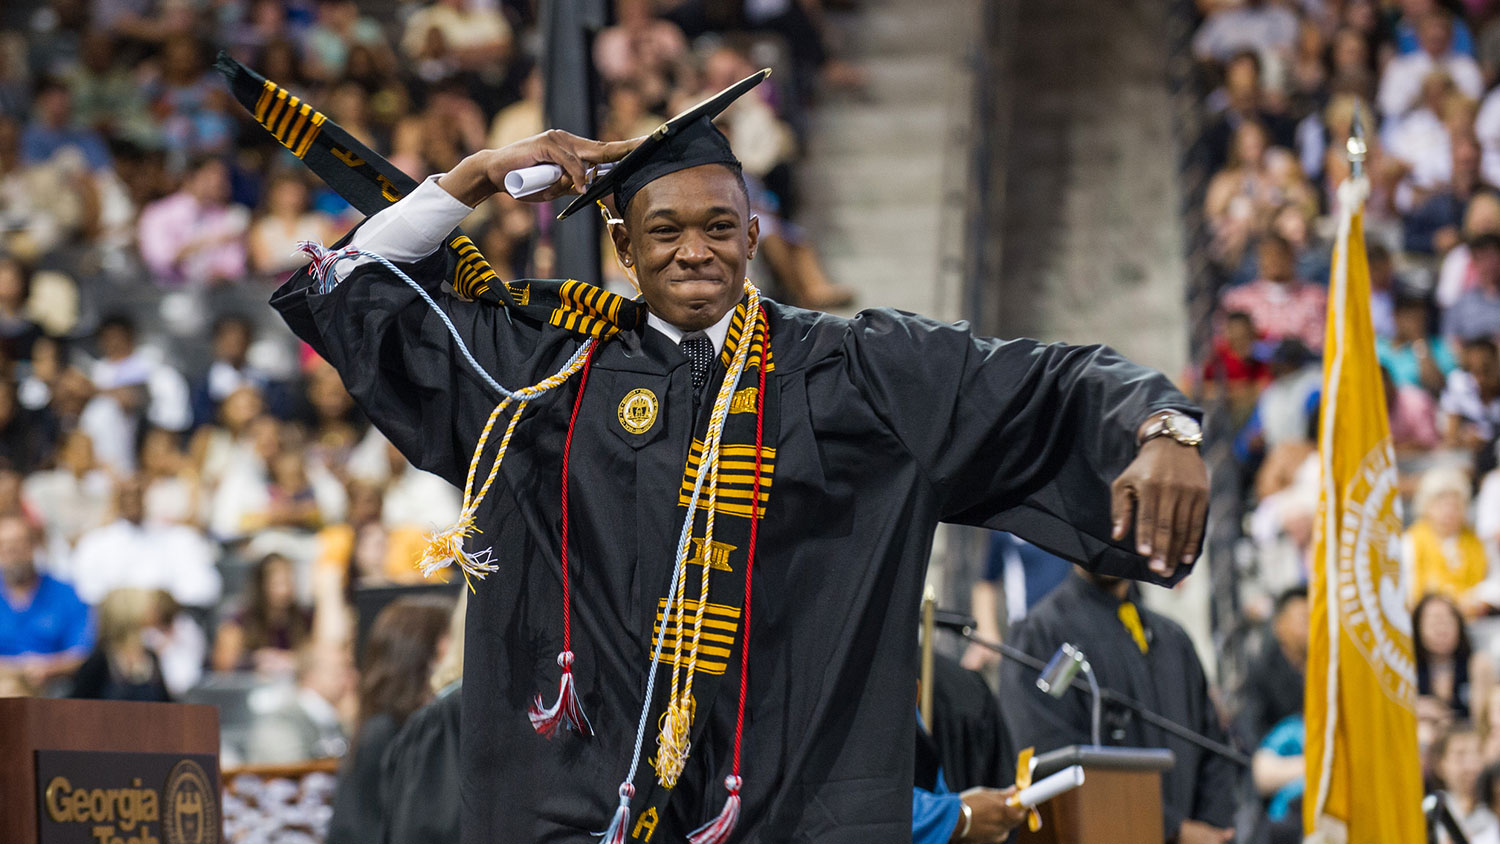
x=716 y=332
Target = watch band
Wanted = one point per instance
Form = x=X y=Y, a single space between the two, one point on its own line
x=968 y=814
x=1161 y=424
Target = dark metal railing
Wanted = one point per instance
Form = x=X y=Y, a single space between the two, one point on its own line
x=1188 y=91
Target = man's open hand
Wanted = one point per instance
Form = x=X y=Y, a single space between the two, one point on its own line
x=1165 y=491
x=482 y=174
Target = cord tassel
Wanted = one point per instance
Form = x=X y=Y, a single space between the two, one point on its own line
x=323 y=260
x=675 y=742
x=717 y=830
x=567 y=712
x=615 y=834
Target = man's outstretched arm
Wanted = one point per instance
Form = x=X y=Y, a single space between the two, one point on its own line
x=1038 y=439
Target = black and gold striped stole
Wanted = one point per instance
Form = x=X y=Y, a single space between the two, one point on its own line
x=369 y=183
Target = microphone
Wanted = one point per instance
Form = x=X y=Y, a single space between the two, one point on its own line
x=964 y=625
x=1055 y=677
x=1058 y=676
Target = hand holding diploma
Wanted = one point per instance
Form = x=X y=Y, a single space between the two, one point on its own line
x=533 y=161
x=993 y=812
x=991 y=815
x=1059 y=783
x=526 y=181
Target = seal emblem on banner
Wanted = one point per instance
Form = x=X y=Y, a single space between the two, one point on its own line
x=190 y=808
x=1372 y=603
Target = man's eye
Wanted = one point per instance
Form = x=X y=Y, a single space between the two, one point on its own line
x=721 y=227
x=663 y=231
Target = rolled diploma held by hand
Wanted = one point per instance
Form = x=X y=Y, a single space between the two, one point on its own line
x=529 y=180
x=1061 y=782
x=538 y=177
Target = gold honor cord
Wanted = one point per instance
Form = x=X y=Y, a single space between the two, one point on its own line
x=446 y=547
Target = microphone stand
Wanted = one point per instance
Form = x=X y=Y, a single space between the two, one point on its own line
x=1017 y=655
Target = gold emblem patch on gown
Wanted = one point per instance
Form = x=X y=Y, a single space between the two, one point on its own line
x=638 y=411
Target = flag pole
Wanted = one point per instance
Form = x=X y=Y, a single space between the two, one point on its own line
x=1355 y=148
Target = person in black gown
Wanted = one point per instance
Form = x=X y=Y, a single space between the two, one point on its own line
x=888 y=424
x=1144 y=656
x=404 y=643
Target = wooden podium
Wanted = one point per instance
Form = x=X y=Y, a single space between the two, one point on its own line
x=1119 y=801
x=149 y=770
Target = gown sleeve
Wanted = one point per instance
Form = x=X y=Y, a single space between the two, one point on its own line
x=400 y=363
x=1013 y=435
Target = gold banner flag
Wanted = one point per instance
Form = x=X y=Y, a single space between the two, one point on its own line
x=1363 y=774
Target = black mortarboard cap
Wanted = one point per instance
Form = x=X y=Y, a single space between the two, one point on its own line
x=688 y=140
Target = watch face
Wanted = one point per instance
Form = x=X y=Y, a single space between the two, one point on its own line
x=1184 y=427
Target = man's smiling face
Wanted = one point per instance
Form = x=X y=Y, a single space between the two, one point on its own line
x=689 y=236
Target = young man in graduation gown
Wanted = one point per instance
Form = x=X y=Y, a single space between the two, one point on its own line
x=874 y=429
x=1144 y=656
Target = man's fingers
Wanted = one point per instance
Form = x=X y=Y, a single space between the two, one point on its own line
x=559 y=151
x=1146 y=502
x=600 y=152
x=1177 y=531
x=562 y=187
x=1194 y=543
x=1121 y=497
x=1163 y=534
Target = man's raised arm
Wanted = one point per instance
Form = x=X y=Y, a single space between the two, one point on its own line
x=420 y=222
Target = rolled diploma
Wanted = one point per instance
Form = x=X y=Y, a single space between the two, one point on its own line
x=529 y=180
x=1061 y=782
x=538 y=177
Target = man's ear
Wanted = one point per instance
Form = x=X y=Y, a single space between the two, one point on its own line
x=752 y=236
x=621 y=237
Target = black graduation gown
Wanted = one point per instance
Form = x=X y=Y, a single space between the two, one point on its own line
x=358 y=811
x=967 y=738
x=889 y=424
x=1168 y=679
x=419 y=781
x=1271 y=691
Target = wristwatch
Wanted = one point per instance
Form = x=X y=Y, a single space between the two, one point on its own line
x=968 y=818
x=1172 y=423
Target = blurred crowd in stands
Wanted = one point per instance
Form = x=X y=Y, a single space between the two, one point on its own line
x=1289 y=80
x=189 y=499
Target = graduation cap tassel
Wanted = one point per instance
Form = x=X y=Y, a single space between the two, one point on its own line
x=717 y=830
x=568 y=710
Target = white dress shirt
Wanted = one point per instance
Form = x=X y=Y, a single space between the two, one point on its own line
x=1401 y=83
x=416 y=226
x=176 y=558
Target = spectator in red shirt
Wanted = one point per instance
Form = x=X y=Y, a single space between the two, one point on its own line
x=1233 y=358
x=1233 y=365
x=1280 y=304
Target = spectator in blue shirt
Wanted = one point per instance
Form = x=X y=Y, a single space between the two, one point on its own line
x=53 y=129
x=45 y=629
x=1415 y=355
x=1018 y=573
